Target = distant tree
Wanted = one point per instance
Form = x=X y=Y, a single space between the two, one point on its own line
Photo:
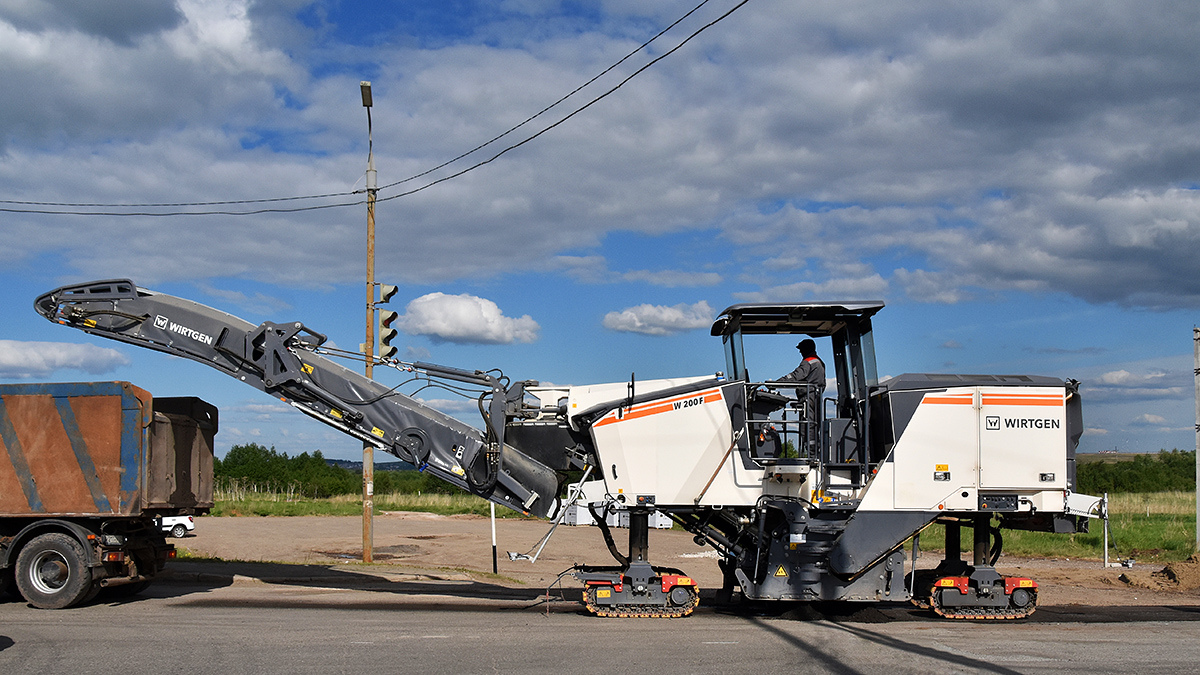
x=1168 y=471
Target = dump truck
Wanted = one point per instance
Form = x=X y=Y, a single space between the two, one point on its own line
x=804 y=496
x=86 y=471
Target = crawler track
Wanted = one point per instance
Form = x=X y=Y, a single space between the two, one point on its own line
x=640 y=611
x=981 y=613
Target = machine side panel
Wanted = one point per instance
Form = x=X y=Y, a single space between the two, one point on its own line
x=671 y=448
x=1022 y=436
x=938 y=454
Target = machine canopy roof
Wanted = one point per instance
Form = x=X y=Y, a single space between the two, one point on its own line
x=816 y=319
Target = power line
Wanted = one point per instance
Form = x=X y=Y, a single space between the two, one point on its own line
x=316 y=207
x=175 y=204
x=79 y=205
x=572 y=114
x=539 y=113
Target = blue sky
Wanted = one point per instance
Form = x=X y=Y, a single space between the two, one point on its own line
x=1018 y=182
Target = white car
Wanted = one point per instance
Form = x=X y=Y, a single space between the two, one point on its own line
x=177 y=526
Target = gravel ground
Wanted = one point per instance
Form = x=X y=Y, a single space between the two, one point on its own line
x=459 y=547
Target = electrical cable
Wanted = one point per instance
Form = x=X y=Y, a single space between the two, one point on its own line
x=578 y=110
x=160 y=214
x=539 y=113
x=176 y=204
x=411 y=178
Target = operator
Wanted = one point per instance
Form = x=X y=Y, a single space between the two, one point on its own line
x=811 y=373
x=811 y=370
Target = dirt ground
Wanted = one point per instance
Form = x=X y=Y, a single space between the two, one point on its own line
x=461 y=547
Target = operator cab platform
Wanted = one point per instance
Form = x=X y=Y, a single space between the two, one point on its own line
x=780 y=425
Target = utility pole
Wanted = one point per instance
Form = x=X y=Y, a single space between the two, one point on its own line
x=1196 y=366
x=368 y=519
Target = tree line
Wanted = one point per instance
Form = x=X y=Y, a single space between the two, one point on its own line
x=311 y=476
x=1168 y=471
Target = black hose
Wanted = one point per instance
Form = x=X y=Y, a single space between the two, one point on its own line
x=602 y=522
x=997 y=547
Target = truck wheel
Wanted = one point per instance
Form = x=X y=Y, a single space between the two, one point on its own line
x=178 y=531
x=52 y=572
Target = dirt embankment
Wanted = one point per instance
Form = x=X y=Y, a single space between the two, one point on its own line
x=1176 y=577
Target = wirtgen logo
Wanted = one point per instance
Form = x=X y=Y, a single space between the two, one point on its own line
x=992 y=423
x=163 y=323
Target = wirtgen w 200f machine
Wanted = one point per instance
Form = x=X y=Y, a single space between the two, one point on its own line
x=805 y=497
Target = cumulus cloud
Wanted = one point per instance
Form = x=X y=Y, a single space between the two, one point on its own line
x=953 y=150
x=258 y=303
x=660 y=320
x=120 y=22
x=28 y=360
x=595 y=270
x=465 y=319
x=1123 y=385
x=1149 y=419
x=451 y=406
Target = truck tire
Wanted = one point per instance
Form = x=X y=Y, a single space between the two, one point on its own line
x=52 y=572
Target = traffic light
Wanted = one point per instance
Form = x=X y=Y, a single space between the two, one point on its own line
x=386 y=291
x=386 y=333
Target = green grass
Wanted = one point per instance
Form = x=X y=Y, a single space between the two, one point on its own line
x=260 y=504
x=1159 y=526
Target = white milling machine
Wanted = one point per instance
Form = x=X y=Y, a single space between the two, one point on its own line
x=803 y=500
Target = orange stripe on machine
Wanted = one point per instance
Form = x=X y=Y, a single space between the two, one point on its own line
x=672 y=404
x=1049 y=400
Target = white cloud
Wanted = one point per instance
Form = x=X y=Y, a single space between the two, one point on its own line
x=258 y=303
x=660 y=320
x=465 y=319
x=1150 y=419
x=673 y=278
x=1124 y=378
x=1118 y=385
x=953 y=150
x=28 y=360
x=451 y=406
x=869 y=287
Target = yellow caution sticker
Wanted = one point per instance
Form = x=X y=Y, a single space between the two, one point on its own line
x=335 y=413
x=90 y=323
x=942 y=467
x=457 y=470
x=306 y=368
x=603 y=593
x=781 y=572
x=1025 y=583
x=377 y=431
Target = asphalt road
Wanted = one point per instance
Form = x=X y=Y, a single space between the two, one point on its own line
x=214 y=624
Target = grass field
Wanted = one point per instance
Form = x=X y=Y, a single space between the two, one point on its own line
x=1157 y=526
x=260 y=504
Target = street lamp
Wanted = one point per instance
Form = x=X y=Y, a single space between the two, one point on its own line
x=369 y=346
